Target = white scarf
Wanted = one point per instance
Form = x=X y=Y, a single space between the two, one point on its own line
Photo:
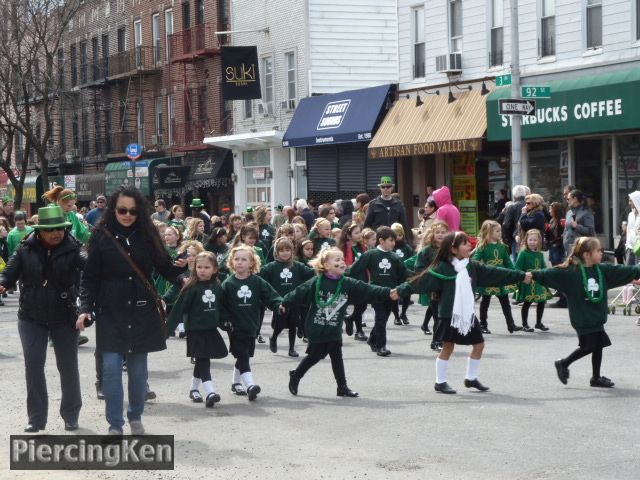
x=463 y=303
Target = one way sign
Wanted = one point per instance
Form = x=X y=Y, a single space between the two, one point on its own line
x=517 y=106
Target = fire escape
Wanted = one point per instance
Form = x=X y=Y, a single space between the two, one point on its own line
x=190 y=82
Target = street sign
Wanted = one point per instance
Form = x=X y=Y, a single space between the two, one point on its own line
x=516 y=106
x=535 y=91
x=134 y=151
x=503 y=80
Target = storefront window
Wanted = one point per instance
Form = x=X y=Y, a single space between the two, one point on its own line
x=628 y=172
x=588 y=166
x=548 y=169
x=256 y=164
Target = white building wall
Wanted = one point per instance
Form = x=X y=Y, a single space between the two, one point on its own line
x=620 y=49
x=352 y=44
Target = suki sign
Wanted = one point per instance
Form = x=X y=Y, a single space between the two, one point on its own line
x=594 y=105
x=333 y=114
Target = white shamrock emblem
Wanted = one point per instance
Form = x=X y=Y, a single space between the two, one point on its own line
x=400 y=253
x=592 y=285
x=285 y=274
x=265 y=233
x=384 y=265
x=208 y=297
x=324 y=245
x=244 y=293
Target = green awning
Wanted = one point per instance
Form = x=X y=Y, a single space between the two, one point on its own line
x=121 y=173
x=607 y=102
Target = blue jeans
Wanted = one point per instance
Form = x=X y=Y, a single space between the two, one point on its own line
x=113 y=390
x=514 y=251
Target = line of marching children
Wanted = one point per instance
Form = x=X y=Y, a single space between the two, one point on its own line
x=311 y=296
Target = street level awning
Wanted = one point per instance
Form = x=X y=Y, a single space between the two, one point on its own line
x=89 y=186
x=436 y=126
x=345 y=117
x=121 y=173
x=247 y=141
x=579 y=105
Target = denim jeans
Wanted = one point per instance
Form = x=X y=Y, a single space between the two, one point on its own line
x=514 y=251
x=114 y=392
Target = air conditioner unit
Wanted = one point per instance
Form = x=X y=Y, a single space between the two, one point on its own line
x=449 y=63
x=260 y=107
x=154 y=139
x=289 y=104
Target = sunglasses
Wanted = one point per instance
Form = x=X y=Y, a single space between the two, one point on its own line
x=56 y=229
x=123 y=211
x=385 y=186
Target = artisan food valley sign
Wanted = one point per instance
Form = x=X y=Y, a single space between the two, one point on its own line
x=427 y=148
x=597 y=109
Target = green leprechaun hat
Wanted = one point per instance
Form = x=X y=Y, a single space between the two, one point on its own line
x=196 y=203
x=386 y=181
x=50 y=217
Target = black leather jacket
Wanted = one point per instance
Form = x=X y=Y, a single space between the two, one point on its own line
x=48 y=279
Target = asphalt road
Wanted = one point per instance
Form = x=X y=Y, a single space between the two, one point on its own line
x=528 y=426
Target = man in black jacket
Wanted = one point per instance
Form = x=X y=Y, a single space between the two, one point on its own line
x=386 y=210
x=47 y=264
x=510 y=216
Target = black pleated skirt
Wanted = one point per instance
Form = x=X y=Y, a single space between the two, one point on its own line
x=206 y=344
x=446 y=333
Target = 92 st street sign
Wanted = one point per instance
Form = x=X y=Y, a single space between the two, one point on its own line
x=516 y=106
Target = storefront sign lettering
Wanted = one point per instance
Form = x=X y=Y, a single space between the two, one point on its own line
x=429 y=148
x=581 y=111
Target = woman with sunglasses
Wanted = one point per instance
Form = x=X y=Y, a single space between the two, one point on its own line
x=532 y=217
x=128 y=322
x=47 y=264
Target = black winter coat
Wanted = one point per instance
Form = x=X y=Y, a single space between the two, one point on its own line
x=124 y=310
x=48 y=280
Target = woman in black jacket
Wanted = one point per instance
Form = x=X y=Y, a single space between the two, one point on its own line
x=532 y=215
x=128 y=322
x=47 y=265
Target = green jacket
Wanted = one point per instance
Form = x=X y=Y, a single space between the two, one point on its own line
x=79 y=229
x=242 y=300
x=198 y=307
x=385 y=268
x=325 y=324
x=15 y=236
x=481 y=276
x=586 y=316
x=284 y=277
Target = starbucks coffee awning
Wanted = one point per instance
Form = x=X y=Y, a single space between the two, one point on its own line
x=436 y=126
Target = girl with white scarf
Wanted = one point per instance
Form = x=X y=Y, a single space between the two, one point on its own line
x=451 y=276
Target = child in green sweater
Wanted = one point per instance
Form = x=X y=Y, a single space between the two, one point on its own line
x=385 y=269
x=197 y=307
x=403 y=250
x=284 y=274
x=244 y=294
x=531 y=258
x=327 y=296
x=585 y=283
x=453 y=277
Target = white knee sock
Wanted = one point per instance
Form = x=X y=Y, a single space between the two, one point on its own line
x=247 y=379
x=195 y=383
x=208 y=386
x=472 y=369
x=441 y=370
x=236 y=376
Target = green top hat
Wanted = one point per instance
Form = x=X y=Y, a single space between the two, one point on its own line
x=196 y=203
x=279 y=207
x=249 y=209
x=7 y=199
x=51 y=216
x=386 y=181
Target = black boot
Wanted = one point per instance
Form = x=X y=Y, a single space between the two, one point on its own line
x=294 y=381
x=99 y=392
x=345 y=391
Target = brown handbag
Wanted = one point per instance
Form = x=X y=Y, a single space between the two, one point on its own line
x=146 y=283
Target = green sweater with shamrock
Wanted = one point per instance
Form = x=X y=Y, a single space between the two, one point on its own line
x=284 y=277
x=385 y=268
x=403 y=250
x=587 y=316
x=267 y=234
x=441 y=280
x=241 y=302
x=496 y=255
x=327 y=306
x=198 y=307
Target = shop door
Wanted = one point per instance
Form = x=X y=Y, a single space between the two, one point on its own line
x=588 y=166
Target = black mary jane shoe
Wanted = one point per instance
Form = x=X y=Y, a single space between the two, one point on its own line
x=383 y=352
x=195 y=396
x=541 y=326
x=397 y=321
x=360 y=336
x=345 y=391
x=486 y=331
x=563 y=372
x=252 y=392
x=71 y=426
x=212 y=399
x=31 y=428
x=527 y=328
x=443 y=388
x=475 y=384
x=514 y=328
x=293 y=353
x=602 y=382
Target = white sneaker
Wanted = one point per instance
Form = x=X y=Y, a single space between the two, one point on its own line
x=136 y=427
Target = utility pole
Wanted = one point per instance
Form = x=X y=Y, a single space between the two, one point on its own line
x=516 y=122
